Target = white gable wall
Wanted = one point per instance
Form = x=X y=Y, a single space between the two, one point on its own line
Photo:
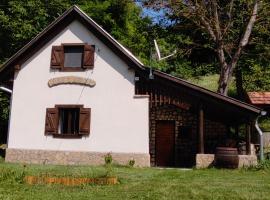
x=119 y=122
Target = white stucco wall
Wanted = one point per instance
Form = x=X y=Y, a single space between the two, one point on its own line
x=119 y=122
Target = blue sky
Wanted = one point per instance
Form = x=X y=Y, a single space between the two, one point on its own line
x=156 y=16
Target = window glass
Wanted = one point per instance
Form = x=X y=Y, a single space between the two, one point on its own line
x=73 y=56
x=69 y=120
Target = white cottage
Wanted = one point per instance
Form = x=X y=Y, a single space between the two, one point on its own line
x=78 y=94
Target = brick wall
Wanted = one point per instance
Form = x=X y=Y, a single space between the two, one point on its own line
x=185 y=148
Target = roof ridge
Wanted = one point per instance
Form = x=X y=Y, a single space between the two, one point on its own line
x=52 y=24
x=122 y=46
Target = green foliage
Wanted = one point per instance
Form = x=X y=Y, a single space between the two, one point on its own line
x=22 y=20
x=122 y=19
x=264 y=123
x=108 y=165
x=131 y=163
x=210 y=82
x=255 y=62
x=108 y=159
x=197 y=56
x=262 y=165
x=4 y=107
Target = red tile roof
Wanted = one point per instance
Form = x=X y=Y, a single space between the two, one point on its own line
x=261 y=98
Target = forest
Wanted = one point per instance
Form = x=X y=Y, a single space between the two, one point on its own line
x=221 y=45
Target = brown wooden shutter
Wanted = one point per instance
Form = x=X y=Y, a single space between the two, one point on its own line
x=57 y=57
x=89 y=54
x=85 y=121
x=51 y=125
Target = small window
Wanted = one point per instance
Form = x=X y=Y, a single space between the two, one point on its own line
x=69 y=120
x=70 y=57
x=73 y=56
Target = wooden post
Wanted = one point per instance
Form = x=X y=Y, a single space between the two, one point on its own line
x=201 y=130
x=248 y=138
x=236 y=128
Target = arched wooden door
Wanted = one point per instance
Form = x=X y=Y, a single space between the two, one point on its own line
x=165 y=143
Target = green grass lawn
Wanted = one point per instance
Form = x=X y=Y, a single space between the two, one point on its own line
x=138 y=183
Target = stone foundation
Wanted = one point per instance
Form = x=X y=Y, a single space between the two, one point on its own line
x=208 y=160
x=72 y=158
x=205 y=160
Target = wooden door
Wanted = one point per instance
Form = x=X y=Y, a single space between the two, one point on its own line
x=165 y=133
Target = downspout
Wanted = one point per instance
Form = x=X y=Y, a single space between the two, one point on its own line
x=5 y=89
x=263 y=113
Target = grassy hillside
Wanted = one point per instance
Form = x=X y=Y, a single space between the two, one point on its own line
x=210 y=82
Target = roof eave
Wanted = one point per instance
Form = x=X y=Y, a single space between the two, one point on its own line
x=218 y=96
x=74 y=9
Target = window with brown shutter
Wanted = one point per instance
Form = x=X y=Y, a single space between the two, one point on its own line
x=68 y=121
x=85 y=121
x=89 y=53
x=57 y=57
x=73 y=57
x=51 y=124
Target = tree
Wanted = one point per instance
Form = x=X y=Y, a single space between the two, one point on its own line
x=21 y=20
x=227 y=23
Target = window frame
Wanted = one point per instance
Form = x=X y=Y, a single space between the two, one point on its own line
x=52 y=121
x=61 y=135
x=60 y=109
x=72 y=69
x=58 y=57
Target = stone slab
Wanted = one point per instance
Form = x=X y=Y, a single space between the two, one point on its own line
x=247 y=160
x=205 y=160
x=208 y=160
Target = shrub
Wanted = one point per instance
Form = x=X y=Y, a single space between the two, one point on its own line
x=131 y=163
x=108 y=165
x=265 y=164
x=262 y=165
x=108 y=159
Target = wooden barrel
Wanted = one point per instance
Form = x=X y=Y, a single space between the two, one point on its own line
x=226 y=157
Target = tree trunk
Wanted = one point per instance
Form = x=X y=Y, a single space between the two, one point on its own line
x=227 y=69
x=224 y=79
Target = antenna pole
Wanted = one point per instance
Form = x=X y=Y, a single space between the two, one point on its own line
x=151 y=76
